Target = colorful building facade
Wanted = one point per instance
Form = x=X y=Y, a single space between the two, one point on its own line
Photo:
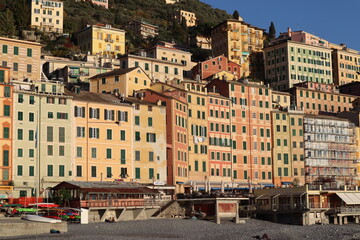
x=47 y=15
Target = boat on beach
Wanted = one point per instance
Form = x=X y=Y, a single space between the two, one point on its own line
x=36 y=218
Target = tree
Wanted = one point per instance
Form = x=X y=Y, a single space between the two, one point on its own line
x=7 y=23
x=272 y=31
x=236 y=15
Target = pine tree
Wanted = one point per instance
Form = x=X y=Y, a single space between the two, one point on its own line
x=236 y=15
x=272 y=31
x=7 y=24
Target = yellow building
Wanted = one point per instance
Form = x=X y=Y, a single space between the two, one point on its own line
x=103 y=142
x=6 y=120
x=149 y=141
x=42 y=142
x=237 y=40
x=346 y=66
x=47 y=15
x=280 y=99
x=101 y=39
x=288 y=147
x=188 y=17
x=158 y=70
x=171 y=52
x=22 y=57
x=122 y=81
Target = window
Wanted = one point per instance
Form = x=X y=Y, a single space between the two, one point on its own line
x=31 y=117
x=150 y=122
x=29 y=68
x=5 y=49
x=50 y=134
x=151 y=173
x=61 y=171
x=31 y=135
x=20 y=134
x=20 y=116
x=80 y=131
x=108 y=172
x=151 y=156
x=19 y=170
x=93 y=153
x=150 y=137
x=93 y=171
x=61 y=134
x=108 y=153
x=137 y=173
x=61 y=150
x=94 y=132
x=16 y=50
x=108 y=134
x=79 y=152
x=50 y=169
x=123 y=156
x=122 y=135
x=7 y=92
x=31 y=171
x=7 y=110
x=5 y=158
x=50 y=150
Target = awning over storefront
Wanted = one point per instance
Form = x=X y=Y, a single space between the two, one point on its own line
x=267 y=184
x=350 y=198
x=286 y=183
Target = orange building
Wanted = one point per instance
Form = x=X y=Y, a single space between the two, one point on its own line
x=251 y=130
x=6 y=98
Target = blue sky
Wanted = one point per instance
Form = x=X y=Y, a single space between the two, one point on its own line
x=337 y=21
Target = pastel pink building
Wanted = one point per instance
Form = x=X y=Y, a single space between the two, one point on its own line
x=103 y=3
x=304 y=37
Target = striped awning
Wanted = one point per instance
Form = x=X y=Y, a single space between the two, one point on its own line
x=350 y=198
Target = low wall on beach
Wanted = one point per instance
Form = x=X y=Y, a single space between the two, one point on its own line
x=17 y=227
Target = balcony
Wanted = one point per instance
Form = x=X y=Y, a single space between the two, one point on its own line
x=108 y=40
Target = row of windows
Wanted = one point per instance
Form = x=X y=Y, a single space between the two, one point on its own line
x=215 y=113
x=325 y=108
x=181 y=137
x=157 y=68
x=325 y=96
x=108 y=154
x=261 y=91
x=15 y=66
x=5 y=50
x=219 y=102
x=181 y=156
x=196 y=166
x=311 y=61
x=220 y=156
x=50 y=171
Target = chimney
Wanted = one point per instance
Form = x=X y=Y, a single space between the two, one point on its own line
x=289 y=32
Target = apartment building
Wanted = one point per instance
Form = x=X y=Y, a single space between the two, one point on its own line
x=144 y=29
x=329 y=152
x=221 y=170
x=47 y=15
x=288 y=63
x=303 y=37
x=101 y=39
x=177 y=131
x=236 y=40
x=288 y=146
x=188 y=17
x=102 y=3
x=6 y=133
x=198 y=139
x=219 y=65
x=158 y=70
x=103 y=144
x=42 y=141
x=149 y=144
x=346 y=64
x=251 y=128
x=171 y=52
x=122 y=81
x=22 y=57
x=315 y=98
x=280 y=100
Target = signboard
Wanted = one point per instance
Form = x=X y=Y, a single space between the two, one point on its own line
x=227 y=208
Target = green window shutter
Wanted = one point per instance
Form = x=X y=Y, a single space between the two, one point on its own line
x=20 y=152
x=20 y=116
x=50 y=170
x=137 y=120
x=108 y=172
x=5 y=49
x=31 y=171
x=7 y=110
x=16 y=50
x=6 y=132
x=235 y=174
x=5 y=158
x=196 y=166
x=19 y=170
x=137 y=173
x=151 y=173
x=29 y=52
x=204 y=166
x=122 y=135
x=7 y=92
x=31 y=153
x=31 y=135
x=150 y=122
x=61 y=171
x=2 y=75
x=108 y=153
x=123 y=156
x=20 y=134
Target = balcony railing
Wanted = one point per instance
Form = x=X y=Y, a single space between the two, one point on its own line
x=113 y=203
